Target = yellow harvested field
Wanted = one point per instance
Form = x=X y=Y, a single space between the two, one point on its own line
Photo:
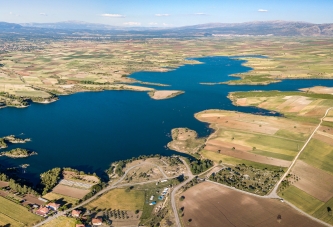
x=310 y=182
x=55 y=196
x=61 y=222
x=17 y=212
x=330 y=119
x=8 y=222
x=307 y=105
x=119 y=199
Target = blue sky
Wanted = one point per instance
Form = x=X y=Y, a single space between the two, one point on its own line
x=165 y=12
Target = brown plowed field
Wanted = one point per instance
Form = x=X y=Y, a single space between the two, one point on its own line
x=228 y=122
x=313 y=181
x=212 y=205
x=247 y=156
x=323 y=138
x=70 y=191
x=253 y=123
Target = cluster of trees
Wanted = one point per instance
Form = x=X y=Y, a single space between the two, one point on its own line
x=247 y=178
x=199 y=166
x=18 y=152
x=93 y=82
x=17 y=187
x=94 y=189
x=22 y=100
x=3 y=143
x=191 y=183
x=173 y=161
x=49 y=179
x=4 y=177
x=21 y=189
x=119 y=169
x=121 y=214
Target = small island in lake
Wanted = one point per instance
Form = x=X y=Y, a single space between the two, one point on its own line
x=165 y=94
x=11 y=139
x=18 y=153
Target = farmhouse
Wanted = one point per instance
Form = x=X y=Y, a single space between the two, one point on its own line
x=76 y=213
x=53 y=206
x=96 y=221
x=43 y=211
x=80 y=225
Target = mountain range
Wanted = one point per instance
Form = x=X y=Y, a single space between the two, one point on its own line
x=258 y=28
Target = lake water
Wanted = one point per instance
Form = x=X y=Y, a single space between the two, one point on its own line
x=88 y=131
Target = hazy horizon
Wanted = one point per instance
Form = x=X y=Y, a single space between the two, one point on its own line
x=165 y=14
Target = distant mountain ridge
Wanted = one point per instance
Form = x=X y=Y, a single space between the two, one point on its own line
x=256 y=28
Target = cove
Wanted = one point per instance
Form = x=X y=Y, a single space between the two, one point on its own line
x=88 y=131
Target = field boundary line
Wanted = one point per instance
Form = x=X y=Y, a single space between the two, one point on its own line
x=264 y=134
x=12 y=218
x=273 y=193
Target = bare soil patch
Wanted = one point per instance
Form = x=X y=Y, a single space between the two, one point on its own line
x=70 y=191
x=165 y=94
x=3 y=184
x=31 y=199
x=310 y=182
x=209 y=204
x=319 y=90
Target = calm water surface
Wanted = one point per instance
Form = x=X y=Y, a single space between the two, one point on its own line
x=90 y=130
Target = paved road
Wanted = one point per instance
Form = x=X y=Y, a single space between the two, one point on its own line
x=175 y=189
x=113 y=186
x=273 y=193
x=108 y=188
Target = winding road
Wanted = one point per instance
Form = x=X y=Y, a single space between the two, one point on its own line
x=108 y=188
x=271 y=195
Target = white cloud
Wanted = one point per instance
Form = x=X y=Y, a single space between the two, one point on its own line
x=132 y=23
x=262 y=10
x=200 y=14
x=43 y=14
x=10 y=13
x=112 y=15
x=167 y=25
x=152 y=23
x=162 y=15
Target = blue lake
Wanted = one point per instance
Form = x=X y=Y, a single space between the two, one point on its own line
x=88 y=131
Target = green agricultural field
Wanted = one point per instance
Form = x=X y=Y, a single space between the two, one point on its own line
x=274 y=155
x=291 y=135
x=216 y=157
x=120 y=199
x=318 y=154
x=324 y=213
x=266 y=145
x=302 y=200
x=17 y=212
